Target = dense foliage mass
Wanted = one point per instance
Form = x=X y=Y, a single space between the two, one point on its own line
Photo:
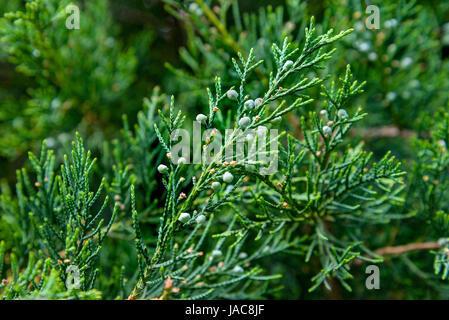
x=360 y=122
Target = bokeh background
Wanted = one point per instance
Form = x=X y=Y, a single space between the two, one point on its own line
x=404 y=64
x=61 y=81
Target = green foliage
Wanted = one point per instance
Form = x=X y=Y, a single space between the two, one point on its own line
x=73 y=76
x=140 y=224
x=429 y=187
x=58 y=212
x=402 y=61
x=331 y=179
x=24 y=286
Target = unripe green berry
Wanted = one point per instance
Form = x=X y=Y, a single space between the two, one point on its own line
x=327 y=130
x=216 y=253
x=216 y=186
x=200 y=219
x=287 y=65
x=391 y=96
x=201 y=117
x=249 y=104
x=182 y=161
x=237 y=269
x=184 y=217
x=232 y=95
x=342 y=114
x=244 y=122
x=162 y=168
x=243 y=255
x=195 y=9
x=228 y=177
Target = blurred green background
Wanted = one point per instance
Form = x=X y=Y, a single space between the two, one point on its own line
x=60 y=81
x=136 y=39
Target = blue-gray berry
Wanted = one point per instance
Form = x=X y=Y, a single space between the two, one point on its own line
x=200 y=219
x=237 y=269
x=249 y=104
x=287 y=65
x=162 y=168
x=342 y=114
x=216 y=186
x=184 y=217
x=244 y=122
x=327 y=130
x=232 y=95
x=216 y=253
x=201 y=117
x=228 y=177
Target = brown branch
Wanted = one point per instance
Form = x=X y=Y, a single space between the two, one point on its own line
x=407 y=247
x=402 y=249
x=385 y=132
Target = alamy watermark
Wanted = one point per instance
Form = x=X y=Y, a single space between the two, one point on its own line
x=373 y=280
x=373 y=20
x=72 y=22
x=73 y=280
